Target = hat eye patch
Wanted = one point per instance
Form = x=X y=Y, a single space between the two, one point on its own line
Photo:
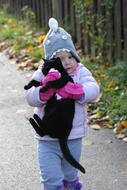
x=48 y=42
x=64 y=37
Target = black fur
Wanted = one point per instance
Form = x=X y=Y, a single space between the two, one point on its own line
x=32 y=83
x=58 y=117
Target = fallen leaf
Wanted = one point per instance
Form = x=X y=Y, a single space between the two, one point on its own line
x=30 y=48
x=29 y=33
x=9 y=21
x=120 y=136
x=87 y=142
x=14 y=90
x=121 y=127
x=28 y=75
x=95 y=127
x=124 y=123
x=109 y=141
x=94 y=116
x=25 y=64
x=41 y=38
x=14 y=46
x=2 y=44
x=125 y=139
x=21 y=111
x=115 y=130
x=125 y=169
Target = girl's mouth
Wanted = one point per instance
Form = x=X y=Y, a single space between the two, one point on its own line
x=68 y=68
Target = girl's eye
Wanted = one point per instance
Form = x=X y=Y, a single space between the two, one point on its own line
x=70 y=56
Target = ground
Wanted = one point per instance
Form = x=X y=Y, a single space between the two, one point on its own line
x=103 y=155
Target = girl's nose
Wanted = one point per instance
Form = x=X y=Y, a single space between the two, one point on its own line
x=66 y=61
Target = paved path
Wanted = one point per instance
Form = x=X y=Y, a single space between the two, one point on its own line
x=106 y=163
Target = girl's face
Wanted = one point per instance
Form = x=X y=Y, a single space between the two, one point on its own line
x=68 y=61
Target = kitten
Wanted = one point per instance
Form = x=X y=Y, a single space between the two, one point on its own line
x=59 y=114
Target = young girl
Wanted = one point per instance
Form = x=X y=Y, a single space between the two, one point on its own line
x=56 y=172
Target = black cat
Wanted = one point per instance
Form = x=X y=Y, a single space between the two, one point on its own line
x=59 y=114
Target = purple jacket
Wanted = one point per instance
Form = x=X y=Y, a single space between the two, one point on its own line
x=91 y=92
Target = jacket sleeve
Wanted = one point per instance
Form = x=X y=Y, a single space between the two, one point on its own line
x=90 y=86
x=32 y=94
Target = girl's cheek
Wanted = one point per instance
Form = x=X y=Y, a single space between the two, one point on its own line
x=63 y=63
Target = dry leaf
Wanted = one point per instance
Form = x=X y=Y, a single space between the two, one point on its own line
x=109 y=141
x=14 y=46
x=14 y=90
x=21 y=111
x=115 y=130
x=125 y=139
x=125 y=169
x=87 y=142
x=122 y=127
x=41 y=38
x=29 y=33
x=28 y=75
x=120 y=136
x=124 y=123
x=95 y=127
x=2 y=44
x=30 y=48
x=94 y=116
x=25 y=64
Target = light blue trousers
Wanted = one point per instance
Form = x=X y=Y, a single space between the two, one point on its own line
x=53 y=167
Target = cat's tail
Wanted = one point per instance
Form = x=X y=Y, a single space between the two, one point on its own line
x=68 y=156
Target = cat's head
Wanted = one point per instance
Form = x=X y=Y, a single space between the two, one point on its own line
x=54 y=63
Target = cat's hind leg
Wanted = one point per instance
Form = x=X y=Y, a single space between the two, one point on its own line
x=36 y=127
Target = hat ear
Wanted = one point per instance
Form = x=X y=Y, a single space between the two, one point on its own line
x=53 y=24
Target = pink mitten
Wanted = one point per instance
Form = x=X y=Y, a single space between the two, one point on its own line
x=71 y=90
x=45 y=96
x=63 y=93
x=51 y=76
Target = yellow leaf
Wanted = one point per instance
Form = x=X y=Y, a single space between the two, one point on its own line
x=124 y=123
x=9 y=21
x=14 y=46
x=41 y=38
x=30 y=48
x=121 y=127
x=112 y=84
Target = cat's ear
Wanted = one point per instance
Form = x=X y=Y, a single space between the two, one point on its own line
x=44 y=60
x=58 y=59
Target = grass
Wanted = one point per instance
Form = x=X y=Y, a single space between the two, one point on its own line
x=19 y=35
x=113 y=84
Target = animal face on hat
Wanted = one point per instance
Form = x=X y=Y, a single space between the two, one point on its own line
x=57 y=39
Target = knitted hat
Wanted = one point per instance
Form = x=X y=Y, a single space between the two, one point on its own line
x=57 y=39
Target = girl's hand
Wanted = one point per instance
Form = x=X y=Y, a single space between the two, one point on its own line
x=71 y=90
x=46 y=92
x=45 y=96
